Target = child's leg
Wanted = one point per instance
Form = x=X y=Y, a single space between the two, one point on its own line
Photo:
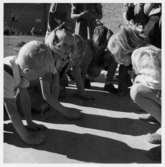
x=145 y=98
x=111 y=68
x=49 y=87
x=124 y=80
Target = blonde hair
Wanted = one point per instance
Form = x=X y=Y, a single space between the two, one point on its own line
x=125 y=41
x=52 y=39
x=34 y=55
x=152 y=52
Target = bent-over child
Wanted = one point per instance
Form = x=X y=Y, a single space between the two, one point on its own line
x=32 y=62
x=129 y=47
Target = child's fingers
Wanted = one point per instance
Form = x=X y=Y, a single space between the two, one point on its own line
x=36 y=127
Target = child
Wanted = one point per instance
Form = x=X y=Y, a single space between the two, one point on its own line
x=105 y=60
x=85 y=56
x=49 y=83
x=146 y=63
x=146 y=90
x=32 y=62
x=69 y=49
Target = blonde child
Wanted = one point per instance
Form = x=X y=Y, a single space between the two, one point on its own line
x=32 y=62
x=50 y=82
x=70 y=50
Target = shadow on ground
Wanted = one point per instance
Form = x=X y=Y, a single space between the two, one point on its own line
x=118 y=125
x=90 y=147
x=102 y=100
x=84 y=147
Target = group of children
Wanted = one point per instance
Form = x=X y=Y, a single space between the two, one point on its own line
x=34 y=60
x=139 y=45
x=63 y=53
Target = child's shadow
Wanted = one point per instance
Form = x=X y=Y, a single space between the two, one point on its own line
x=102 y=100
x=125 y=126
x=83 y=147
x=91 y=147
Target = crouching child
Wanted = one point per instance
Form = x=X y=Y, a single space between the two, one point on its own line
x=32 y=62
x=48 y=87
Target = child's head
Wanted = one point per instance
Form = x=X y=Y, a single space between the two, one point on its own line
x=61 y=42
x=34 y=60
x=100 y=37
x=124 y=42
x=147 y=57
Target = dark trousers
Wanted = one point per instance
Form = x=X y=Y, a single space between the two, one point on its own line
x=124 y=78
x=111 y=68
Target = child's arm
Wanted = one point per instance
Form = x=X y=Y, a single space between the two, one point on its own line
x=76 y=14
x=79 y=80
x=11 y=108
x=25 y=104
x=80 y=71
x=25 y=107
x=27 y=136
x=80 y=84
x=50 y=90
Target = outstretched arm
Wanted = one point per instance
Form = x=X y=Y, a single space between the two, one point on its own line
x=12 y=111
x=50 y=90
x=80 y=84
x=79 y=80
x=77 y=15
x=29 y=137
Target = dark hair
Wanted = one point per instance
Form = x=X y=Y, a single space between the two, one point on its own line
x=101 y=36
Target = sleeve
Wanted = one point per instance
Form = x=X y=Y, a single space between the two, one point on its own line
x=148 y=7
x=50 y=87
x=9 y=87
x=74 y=8
x=53 y=8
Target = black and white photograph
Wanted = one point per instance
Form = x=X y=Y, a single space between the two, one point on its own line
x=82 y=82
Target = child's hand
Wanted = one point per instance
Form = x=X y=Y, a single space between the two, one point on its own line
x=84 y=96
x=84 y=14
x=71 y=113
x=35 y=127
x=34 y=138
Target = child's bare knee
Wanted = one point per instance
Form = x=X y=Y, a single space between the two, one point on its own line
x=136 y=92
